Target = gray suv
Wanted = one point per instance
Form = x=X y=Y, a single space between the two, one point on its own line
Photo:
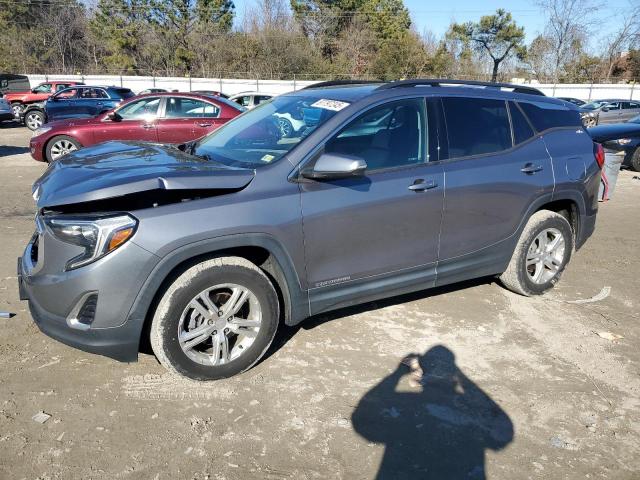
x=204 y=249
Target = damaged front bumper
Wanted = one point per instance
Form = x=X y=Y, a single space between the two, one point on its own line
x=86 y=308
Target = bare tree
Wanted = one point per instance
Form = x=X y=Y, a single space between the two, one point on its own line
x=625 y=38
x=569 y=23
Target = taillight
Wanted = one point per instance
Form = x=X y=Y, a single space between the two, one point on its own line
x=598 y=152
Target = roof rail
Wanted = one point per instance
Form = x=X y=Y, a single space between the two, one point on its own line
x=336 y=83
x=438 y=82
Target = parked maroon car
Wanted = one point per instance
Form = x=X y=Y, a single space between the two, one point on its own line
x=157 y=117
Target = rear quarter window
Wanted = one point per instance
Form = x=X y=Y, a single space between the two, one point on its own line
x=476 y=126
x=125 y=93
x=522 y=130
x=544 y=116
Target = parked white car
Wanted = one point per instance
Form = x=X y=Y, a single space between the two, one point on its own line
x=251 y=99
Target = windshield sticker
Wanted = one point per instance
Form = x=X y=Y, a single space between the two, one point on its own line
x=267 y=158
x=334 y=105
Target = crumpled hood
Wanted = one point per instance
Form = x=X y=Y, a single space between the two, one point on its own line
x=614 y=131
x=118 y=168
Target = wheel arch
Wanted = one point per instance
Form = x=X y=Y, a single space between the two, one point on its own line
x=261 y=249
x=45 y=145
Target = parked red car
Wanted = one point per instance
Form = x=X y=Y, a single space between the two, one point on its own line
x=155 y=117
x=19 y=100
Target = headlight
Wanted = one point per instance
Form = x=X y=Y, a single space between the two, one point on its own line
x=98 y=236
x=40 y=131
x=624 y=141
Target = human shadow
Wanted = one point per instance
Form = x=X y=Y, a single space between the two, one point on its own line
x=438 y=426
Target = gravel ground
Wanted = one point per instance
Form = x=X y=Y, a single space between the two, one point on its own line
x=501 y=386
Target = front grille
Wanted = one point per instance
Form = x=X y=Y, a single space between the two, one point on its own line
x=88 y=310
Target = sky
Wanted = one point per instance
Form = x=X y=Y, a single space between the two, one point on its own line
x=436 y=16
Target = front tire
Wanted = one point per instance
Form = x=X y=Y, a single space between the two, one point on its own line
x=541 y=255
x=34 y=119
x=635 y=160
x=17 y=108
x=60 y=146
x=286 y=127
x=217 y=319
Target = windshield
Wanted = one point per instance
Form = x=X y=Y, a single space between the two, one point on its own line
x=593 y=105
x=268 y=132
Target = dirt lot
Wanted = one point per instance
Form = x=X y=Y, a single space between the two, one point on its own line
x=511 y=387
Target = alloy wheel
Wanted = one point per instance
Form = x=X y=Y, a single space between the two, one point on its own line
x=61 y=148
x=545 y=255
x=219 y=324
x=286 y=129
x=33 y=121
x=17 y=109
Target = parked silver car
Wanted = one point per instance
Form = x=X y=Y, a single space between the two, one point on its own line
x=608 y=111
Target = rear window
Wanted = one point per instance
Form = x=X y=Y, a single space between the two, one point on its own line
x=125 y=92
x=549 y=115
x=476 y=126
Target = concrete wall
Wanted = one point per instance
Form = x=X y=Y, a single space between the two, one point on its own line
x=232 y=86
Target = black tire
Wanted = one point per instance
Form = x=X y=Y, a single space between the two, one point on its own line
x=17 y=108
x=635 y=161
x=516 y=277
x=166 y=320
x=32 y=117
x=52 y=142
x=286 y=128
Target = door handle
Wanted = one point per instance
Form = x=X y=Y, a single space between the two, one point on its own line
x=99 y=104
x=147 y=126
x=531 y=168
x=420 y=185
x=204 y=124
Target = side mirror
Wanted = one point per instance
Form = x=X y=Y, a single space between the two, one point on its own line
x=331 y=166
x=114 y=117
x=605 y=109
x=54 y=98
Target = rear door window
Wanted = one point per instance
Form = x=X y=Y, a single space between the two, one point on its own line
x=93 y=93
x=522 y=131
x=178 y=107
x=630 y=105
x=476 y=126
x=245 y=100
x=544 y=116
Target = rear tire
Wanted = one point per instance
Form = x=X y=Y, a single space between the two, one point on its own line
x=635 y=160
x=541 y=255
x=196 y=332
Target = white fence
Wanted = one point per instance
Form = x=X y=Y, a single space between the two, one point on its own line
x=229 y=86
x=233 y=86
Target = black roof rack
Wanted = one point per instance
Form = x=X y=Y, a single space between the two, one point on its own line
x=336 y=83
x=438 y=82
